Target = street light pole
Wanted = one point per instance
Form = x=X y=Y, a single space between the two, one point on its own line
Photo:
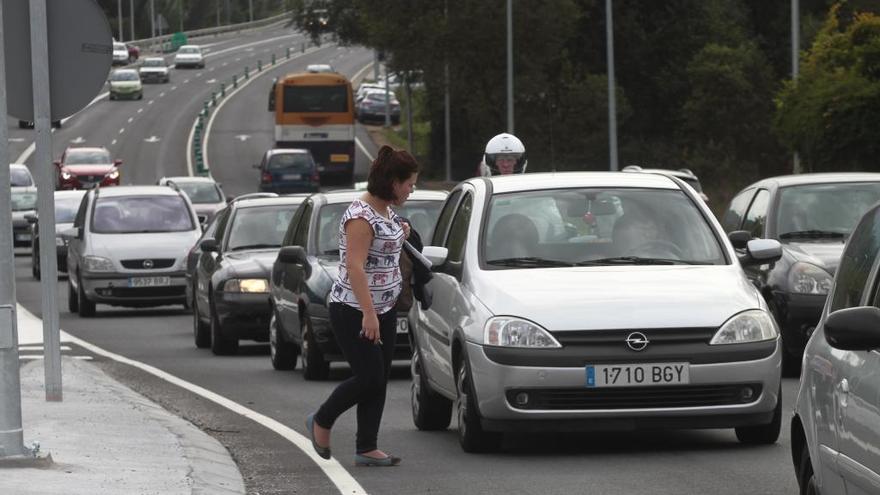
x=152 y=19
x=119 y=18
x=180 y=14
x=510 y=66
x=251 y=10
x=446 y=125
x=795 y=66
x=612 y=104
x=131 y=18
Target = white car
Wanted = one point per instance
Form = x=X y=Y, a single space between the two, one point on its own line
x=189 y=56
x=835 y=431
x=540 y=321
x=126 y=84
x=154 y=69
x=316 y=68
x=120 y=53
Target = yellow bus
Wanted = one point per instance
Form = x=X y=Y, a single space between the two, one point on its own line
x=315 y=111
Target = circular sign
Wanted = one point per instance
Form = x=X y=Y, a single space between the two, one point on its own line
x=80 y=53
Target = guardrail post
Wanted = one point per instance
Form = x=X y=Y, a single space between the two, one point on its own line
x=222 y=89
x=246 y=73
x=259 y=65
x=206 y=110
x=234 y=80
x=214 y=98
x=273 y=59
x=288 y=52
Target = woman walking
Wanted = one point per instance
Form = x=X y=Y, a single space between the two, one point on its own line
x=362 y=304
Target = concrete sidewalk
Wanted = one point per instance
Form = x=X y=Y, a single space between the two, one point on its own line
x=106 y=439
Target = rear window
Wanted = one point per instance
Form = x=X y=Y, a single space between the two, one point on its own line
x=201 y=192
x=141 y=215
x=87 y=158
x=330 y=99
x=154 y=62
x=290 y=161
x=22 y=201
x=119 y=46
x=19 y=177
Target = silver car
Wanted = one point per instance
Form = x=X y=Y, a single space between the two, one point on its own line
x=128 y=247
x=204 y=193
x=543 y=320
x=835 y=431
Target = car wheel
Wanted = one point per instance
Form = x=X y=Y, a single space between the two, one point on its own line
x=201 y=331
x=72 y=297
x=806 y=477
x=140 y=96
x=112 y=97
x=763 y=434
x=220 y=344
x=313 y=364
x=86 y=307
x=471 y=435
x=430 y=410
x=282 y=353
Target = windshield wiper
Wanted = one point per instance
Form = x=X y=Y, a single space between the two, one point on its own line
x=528 y=261
x=254 y=246
x=813 y=234
x=638 y=260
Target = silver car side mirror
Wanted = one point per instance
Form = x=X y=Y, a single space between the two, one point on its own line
x=761 y=251
x=436 y=254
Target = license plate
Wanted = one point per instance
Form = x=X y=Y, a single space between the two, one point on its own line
x=291 y=177
x=637 y=375
x=339 y=158
x=149 y=281
x=402 y=325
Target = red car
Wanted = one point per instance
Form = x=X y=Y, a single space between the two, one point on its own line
x=133 y=53
x=84 y=168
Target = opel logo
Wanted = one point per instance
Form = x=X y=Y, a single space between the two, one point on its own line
x=637 y=341
x=148 y=264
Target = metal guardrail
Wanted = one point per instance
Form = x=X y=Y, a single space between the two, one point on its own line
x=197 y=33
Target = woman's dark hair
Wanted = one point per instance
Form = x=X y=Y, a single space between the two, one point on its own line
x=389 y=166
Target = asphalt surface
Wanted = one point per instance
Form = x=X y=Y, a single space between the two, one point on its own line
x=671 y=462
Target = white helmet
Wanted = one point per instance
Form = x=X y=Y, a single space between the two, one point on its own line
x=505 y=144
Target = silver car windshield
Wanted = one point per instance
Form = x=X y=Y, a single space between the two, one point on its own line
x=141 y=214
x=188 y=50
x=259 y=227
x=154 y=63
x=125 y=76
x=823 y=210
x=593 y=227
x=200 y=193
x=65 y=209
x=22 y=201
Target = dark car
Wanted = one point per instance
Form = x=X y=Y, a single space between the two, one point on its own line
x=305 y=270
x=272 y=94
x=372 y=108
x=229 y=279
x=288 y=170
x=205 y=194
x=66 y=205
x=24 y=205
x=811 y=215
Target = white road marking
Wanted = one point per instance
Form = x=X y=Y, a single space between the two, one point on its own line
x=185 y=81
x=198 y=74
x=150 y=102
x=140 y=110
x=78 y=140
x=121 y=130
x=363 y=148
x=243 y=137
x=152 y=139
x=161 y=94
x=130 y=119
x=113 y=142
x=173 y=88
x=39 y=348
x=211 y=81
x=15 y=140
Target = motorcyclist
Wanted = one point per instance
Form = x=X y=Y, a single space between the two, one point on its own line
x=505 y=154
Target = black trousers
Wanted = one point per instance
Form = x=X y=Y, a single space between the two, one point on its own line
x=370 y=366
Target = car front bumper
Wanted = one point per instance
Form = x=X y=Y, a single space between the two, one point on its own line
x=114 y=289
x=797 y=316
x=243 y=316
x=576 y=407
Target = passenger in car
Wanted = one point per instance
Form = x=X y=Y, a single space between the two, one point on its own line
x=514 y=236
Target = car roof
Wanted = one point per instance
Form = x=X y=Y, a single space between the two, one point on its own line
x=562 y=180
x=160 y=59
x=75 y=149
x=282 y=151
x=292 y=199
x=349 y=195
x=190 y=46
x=125 y=71
x=818 y=178
x=119 y=191
x=181 y=179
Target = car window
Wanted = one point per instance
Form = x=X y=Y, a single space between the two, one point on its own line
x=87 y=157
x=732 y=218
x=222 y=221
x=80 y=219
x=65 y=209
x=422 y=216
x=329 y=217
x=141 y=215
x=24 y=200
x=455 y=242
x=211 y=229
x=301 y=236
x=856 y=262
x=297 y=162
x=291 y=228
x=201 y=192
x=20 y=177
x=333 y=99
x=125 y=76
x=756 y=217
x=445 y=218
x=832 y=208
x=154 y=63
x=119 y=46
x=591 y=226
x=259 y=227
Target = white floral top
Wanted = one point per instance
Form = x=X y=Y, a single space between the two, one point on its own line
x=383 y=258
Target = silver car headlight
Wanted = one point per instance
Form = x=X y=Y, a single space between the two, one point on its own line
x=507 y=331
x=247 y=285
x=97 y=264
x=806 y=278
x=755 y=325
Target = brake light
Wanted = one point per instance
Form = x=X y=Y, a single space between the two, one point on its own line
x=267 y=177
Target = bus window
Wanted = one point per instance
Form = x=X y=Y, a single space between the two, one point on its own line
x=329 y=99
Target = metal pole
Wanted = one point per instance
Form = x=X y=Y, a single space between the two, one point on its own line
x=152 y=19
x=218 y=13
x=510 y=66
x=409 y=114
x=180 y=15
x=228 y=13
x=795 y=63
x=387 y=100
x=251 y=10
x=131 y=17
x=447 y=131
x=119 y=18
x=45 y=197
x=376 y=65
x=11 y=434
x=612 y=103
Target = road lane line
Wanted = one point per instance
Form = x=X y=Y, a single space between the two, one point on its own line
x=363 y=148
x=130 y=119
x=140 y=109
x=121 y=130
x=112 y=143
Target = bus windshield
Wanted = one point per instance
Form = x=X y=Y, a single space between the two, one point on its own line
x=329 y=99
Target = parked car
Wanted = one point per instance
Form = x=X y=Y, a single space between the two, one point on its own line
x=230 y=278
x=24 y=204
x=126 y=84
x=189 y=56
x=372 y=108
x=66 y=205
x=684 y=174
x=204 y=193
x=20 y=175
x=305 y=270
x=834 y=430
x=87 y=167
x=153 y=69
x=120 y=53
x=364 y=88
x=288 y=170
x=128 y=247
x=812 y=215
x=538 y=323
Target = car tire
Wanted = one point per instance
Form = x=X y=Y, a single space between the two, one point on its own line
x=471 y=435
x=23 y=125
x=220 y=344
x=72 y=298
x=86 y=307
x=283 y=354
x=430 y=410
x=112 y=97
x=806 y=477
x=201 y=331
x=141 y=96
x=313 y=363
x=763 y=434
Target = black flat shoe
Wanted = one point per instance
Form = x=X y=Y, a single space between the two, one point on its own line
x=310 y=426
x=387 y=461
